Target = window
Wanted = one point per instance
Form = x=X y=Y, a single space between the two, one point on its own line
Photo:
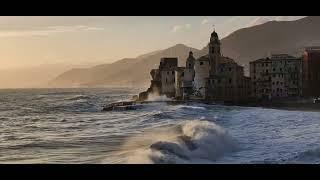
x=267 y=71
x=254 y=77
x=267 y=64
x=273 y=83
x=274 y=69
x=172 y=72
x=166 y=80
x=189 y=65
x=262 y=64
x=277 y=82
x=273 y=75
x=167 y=72
x=281 y=69
x=182 y=74
x=201 y=63
x=219 y=81
x=230 y=80
x=230 y=69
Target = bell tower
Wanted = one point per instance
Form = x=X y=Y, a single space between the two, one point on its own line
x=214 y=52
x=190 y=61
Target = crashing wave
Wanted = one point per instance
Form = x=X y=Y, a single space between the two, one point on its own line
x=189 y=142
x=156 y=97
x=78 y=97
x=311 y=155
x=193 y=107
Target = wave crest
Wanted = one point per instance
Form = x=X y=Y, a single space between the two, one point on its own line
x=188 y=142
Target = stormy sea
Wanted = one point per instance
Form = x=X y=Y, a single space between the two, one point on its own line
x=68 y=126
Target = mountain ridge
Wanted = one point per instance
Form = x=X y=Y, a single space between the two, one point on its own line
x=243 y=45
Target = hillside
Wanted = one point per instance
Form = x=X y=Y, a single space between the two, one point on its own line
x=130 y=72
x=243 y=45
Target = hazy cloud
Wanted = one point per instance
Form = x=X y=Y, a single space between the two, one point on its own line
x=177 y=28
x=47 y=31
x=205 y=21
x=264 y=19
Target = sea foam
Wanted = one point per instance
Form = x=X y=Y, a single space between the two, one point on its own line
x=193 y=141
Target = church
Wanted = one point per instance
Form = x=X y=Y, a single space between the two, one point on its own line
x=219 y=78
x=212 y=77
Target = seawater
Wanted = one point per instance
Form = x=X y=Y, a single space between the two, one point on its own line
x=67 y=126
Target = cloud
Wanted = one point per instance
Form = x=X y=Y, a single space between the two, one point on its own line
x=264 y=19
x=177 y=28
x=258 y=21
x=47 y=31
x=288 y=18
x=205 y=21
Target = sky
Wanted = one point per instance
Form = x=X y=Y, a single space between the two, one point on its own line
x=39 y=40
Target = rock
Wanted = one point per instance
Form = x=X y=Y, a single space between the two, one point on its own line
x=135 y=98
x=143 y=96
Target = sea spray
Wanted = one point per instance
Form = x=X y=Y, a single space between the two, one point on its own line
x=193 y=141
x=157 y=97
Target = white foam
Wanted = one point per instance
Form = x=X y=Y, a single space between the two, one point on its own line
x=211 y=142
x=194 y=107
x=156 y=97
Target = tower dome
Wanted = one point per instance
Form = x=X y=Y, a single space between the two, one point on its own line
x=190 y=61
x=214 y=34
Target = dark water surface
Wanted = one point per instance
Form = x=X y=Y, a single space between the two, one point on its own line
x=67 y=126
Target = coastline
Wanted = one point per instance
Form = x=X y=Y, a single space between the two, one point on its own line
x=290 y=105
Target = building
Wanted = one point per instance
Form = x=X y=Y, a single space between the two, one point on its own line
x=278 y=76
x=229 y=84
x=171 y=80
x=167 y=69
x=184 y=79
x=311 y=72
x=219 y=78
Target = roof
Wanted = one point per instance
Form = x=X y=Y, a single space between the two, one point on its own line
x=203 y=58
x=180 y=68
x=275 y=57
x=226 y=60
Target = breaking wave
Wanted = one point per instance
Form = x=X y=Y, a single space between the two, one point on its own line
x=156 y=97
x=193 y=107
x=188 y=142
x=78 y=97
x=310 y=156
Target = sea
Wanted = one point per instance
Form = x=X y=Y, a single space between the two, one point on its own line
x=67 y=126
